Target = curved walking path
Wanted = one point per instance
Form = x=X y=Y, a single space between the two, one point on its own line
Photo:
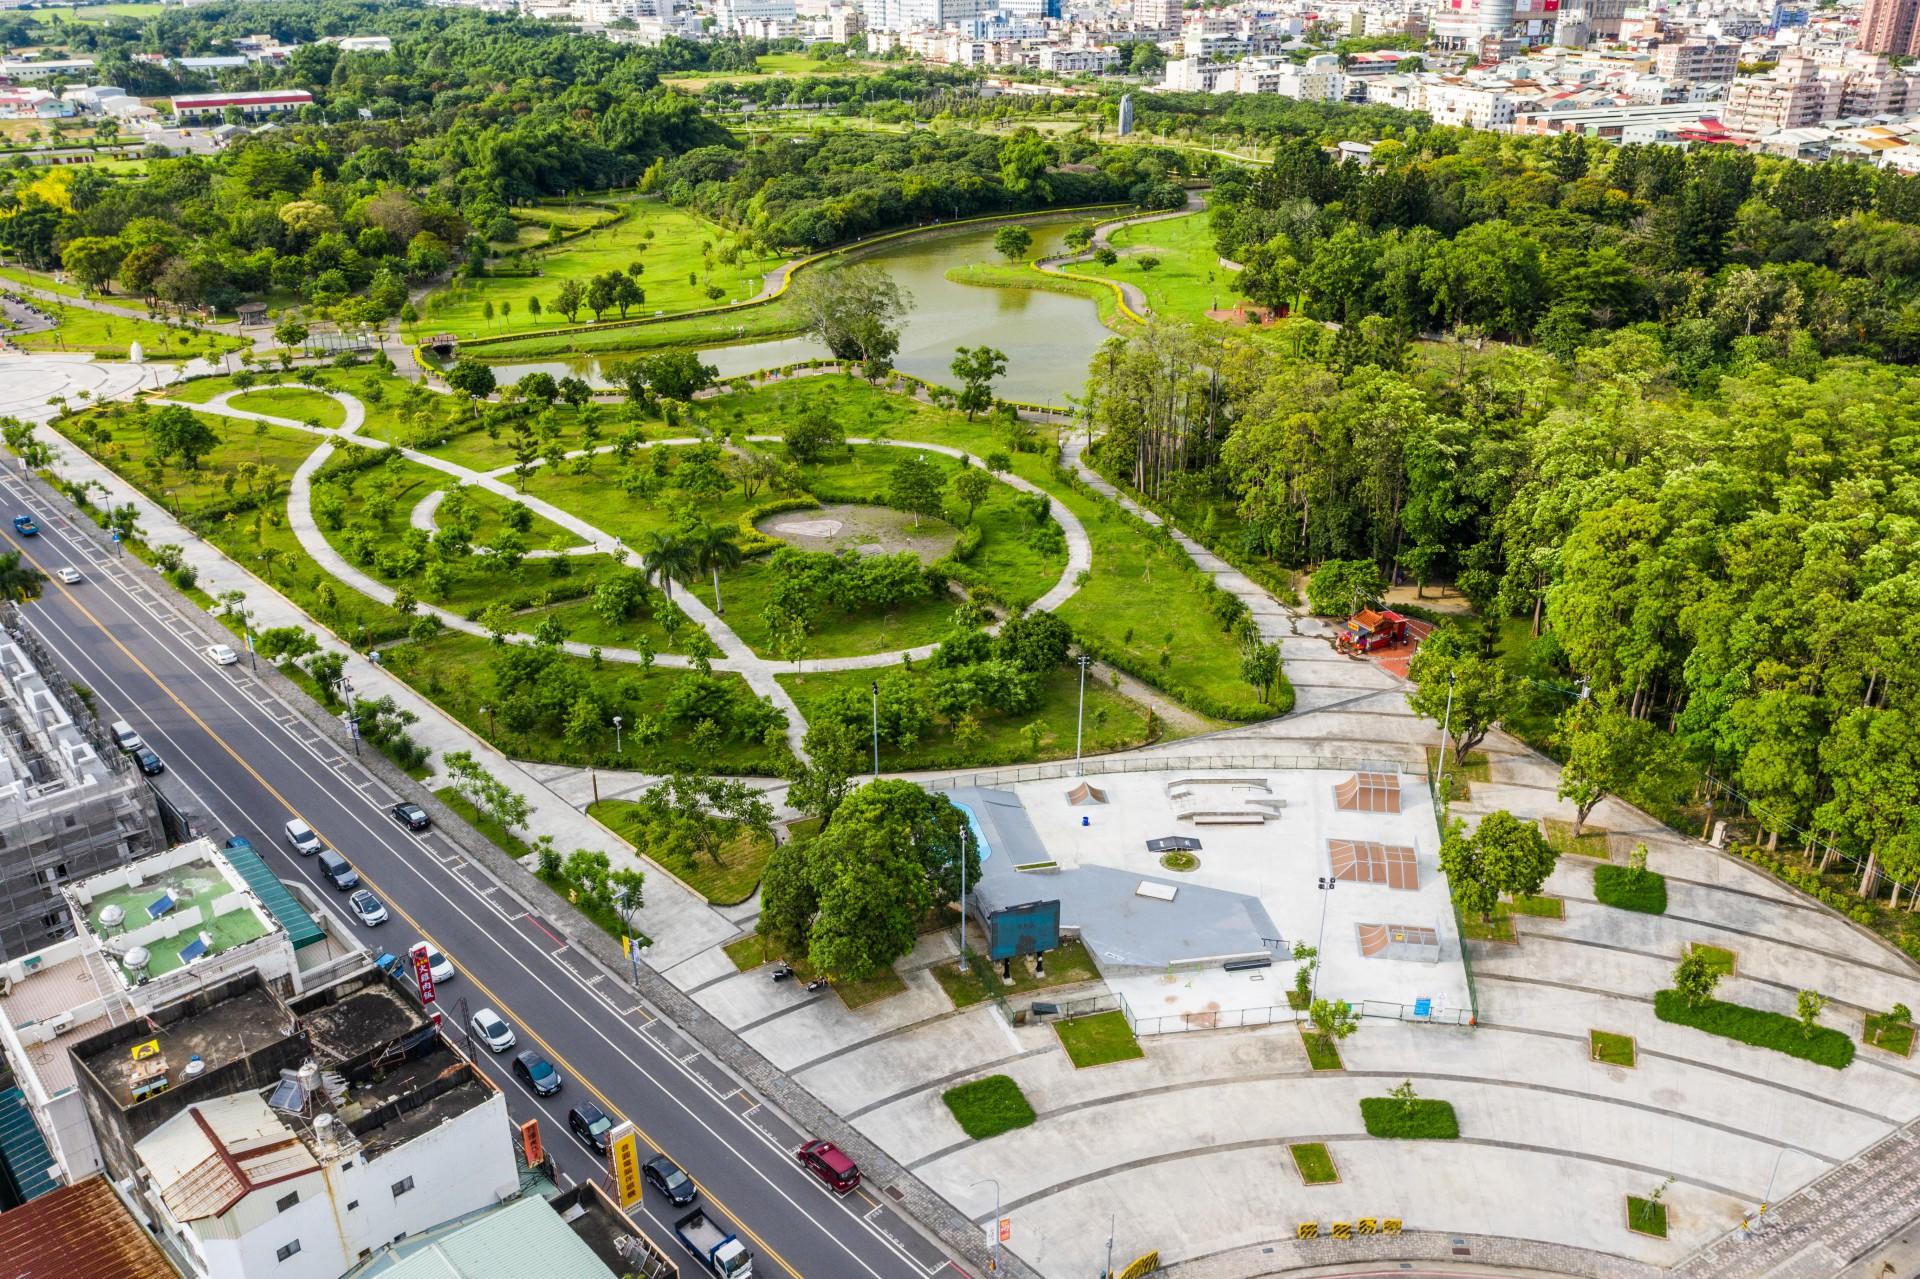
x=735 y=655
x=1133 y=295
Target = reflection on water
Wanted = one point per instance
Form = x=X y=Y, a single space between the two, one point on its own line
x=1048 y=338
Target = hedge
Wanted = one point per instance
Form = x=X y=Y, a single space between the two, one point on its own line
x=1625 y=888
x=752 y=540
x=1758 y=1027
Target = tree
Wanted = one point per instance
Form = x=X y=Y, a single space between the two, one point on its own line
x=19 y=581
x=1503 y=855
x=1472 y=885
x=813 y=435
x=1808 y=1004
x=1334 y=1018
x=179 y=432
x=855 y=310
x=1012 y=242
x=1608 y=752
x=676 y=375
x=1146 y=262
x=1105 y=256
x=472 y=379
x=537 y=388
x=971 y=486
x=914 y=486
x=491 y=796
x=1036 y=642
x=714 y=548
x=570 y=299
x=1305 y=959
x=1449 y=662
x=818 y=783
x=290 y=333
x=629 y=893
x=664 y=556
x=1695 y=976
x=601 y=291
x=93 y=259
x=1340 y=587
x=976 y=368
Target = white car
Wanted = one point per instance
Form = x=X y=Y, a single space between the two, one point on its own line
x=367 y=908
x=221 y=654
x=68 y=574
x=493 y=1032
x=438 y=964
x=305 y=842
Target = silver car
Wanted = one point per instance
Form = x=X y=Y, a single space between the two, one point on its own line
x=489 y=1029
x=367 y=908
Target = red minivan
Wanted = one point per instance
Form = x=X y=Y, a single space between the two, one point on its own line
x=829 y=1163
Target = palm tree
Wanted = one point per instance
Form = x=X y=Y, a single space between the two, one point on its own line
x=666 y=556
x=713 y=550
x=19 y=581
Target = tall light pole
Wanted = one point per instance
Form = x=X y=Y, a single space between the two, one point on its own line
x=1326 y=888
x=876 y=730
x=1446 y=727
x=994 y=1265
x=616 y=734
x=963 y=897
x=1080 y=720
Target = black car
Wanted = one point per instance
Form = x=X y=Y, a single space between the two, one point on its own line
x=670 y=1181
x=591 y=1125
x=412 y=816
x=537 y=1073
x=149 y=762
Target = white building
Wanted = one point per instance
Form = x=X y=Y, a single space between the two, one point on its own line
x=1458 y=103
x=1078 y=61
x=66 y=68
x=365 y=44
x=194 y=106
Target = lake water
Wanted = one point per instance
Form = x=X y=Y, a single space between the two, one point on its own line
x=1048 y=338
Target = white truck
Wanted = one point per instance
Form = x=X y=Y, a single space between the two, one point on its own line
x=720 y=1252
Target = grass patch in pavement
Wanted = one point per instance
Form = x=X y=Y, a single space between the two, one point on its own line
x=1500 y=927
x=749 y=952
x=1420 y=1119
x=1590 y=842
x=1099 y=1039
x=755 y=950
x=988 y=1107
x=1758 y=1027
x=1460 y=777
x=1718 y=956
x=1646 y=1217
x=503 y=839
x=726 y=881
x=1629 y=889
x=1323 y=1053
x=1889 y=1031
x=1611 y=1049
x=1065 y=966
x=1314 y=1163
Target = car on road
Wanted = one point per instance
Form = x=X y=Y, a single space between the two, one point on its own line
x=221 y=654
x=24 y=526
x=591 y=1125
x=305 y=842
x=125 y=736
x=238 y=844
x=339 y=870
x=150 y=763
x=68 y=574
x=412 y=816
x=367 y=908
x=492 y=1031
x=537 y=1073
x=830 y=1164
x=665 y=1176
x=438 y=964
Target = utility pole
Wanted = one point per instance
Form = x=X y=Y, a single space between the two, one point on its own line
x=876 y=730
x=1326 y=889
x=1446 y=727
x=1080 y=720
x=963 y=899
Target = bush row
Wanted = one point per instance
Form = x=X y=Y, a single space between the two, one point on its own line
x=1756 y=1026
x=752 y=540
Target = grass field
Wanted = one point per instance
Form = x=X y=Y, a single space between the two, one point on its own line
x=1890 y=1031
x=109 y=336
x=1189 y=280
x=776 y=64
x=1021 y=275
x=668 y=243
x=1500 y=928
x=746 y=324
x=294 y=403
x=39 y=279
x=1758 y=1027
x=101 y=12
x=1646 y=1217
x=724 y=882
x=988 y=1107
x=1099 y=1039
x=1323 y=1051
x=1623 y=887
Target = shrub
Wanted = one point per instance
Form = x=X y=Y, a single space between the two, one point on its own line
x=1628 y=889
x=1756 y=1026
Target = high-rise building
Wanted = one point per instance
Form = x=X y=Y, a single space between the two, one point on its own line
x=1164 y=15
x=1890 y=26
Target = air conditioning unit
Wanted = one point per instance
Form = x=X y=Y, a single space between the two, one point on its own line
x=60 y=1023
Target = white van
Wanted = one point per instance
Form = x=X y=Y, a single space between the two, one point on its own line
x=303 y=839
x=125 y=737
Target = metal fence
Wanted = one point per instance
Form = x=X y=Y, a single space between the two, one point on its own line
x=1271 y=1015
x=1408 y=1012
x=1170 y=763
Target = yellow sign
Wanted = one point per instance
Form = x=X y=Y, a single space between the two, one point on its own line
x=626 y=946
x=149 y=1049
x=623 y=1153
x=1307 y=1230
x=1367 y=1226
x=1343 y=1230
x=1140 y=1267
x=1391 y=1226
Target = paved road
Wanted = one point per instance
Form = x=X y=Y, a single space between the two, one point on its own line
x=246 y=764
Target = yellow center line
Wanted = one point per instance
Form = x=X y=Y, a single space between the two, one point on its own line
x=499 y=1003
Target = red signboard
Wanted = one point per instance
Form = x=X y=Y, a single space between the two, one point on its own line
x=530 y=1142
x=423 y=974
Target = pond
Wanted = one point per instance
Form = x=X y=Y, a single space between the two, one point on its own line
x=1048 y=338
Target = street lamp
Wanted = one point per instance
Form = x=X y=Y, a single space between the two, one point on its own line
x=1080 y=720
x=1327 y=883
x=963 y=897
x=993 y=1265
x=616 y=734
x=1446 y=727
x=876 y=730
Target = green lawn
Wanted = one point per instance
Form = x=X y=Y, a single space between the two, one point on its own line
x=1756 y=1026
x=745 y=324
x=1614 y=1050
x=1646 y=1217
x=1592 y=841
x=40 y=280
x=1024 y=275
x=503 y=839
x=1065 y=966
x=1113 y=722
x=1422 y=1119
x=1323 y=1051
x=1313 y=1163
x=750 y=952
x=674 y=251
x=727 y=881
x=109 y=336
x=1627 y=889
x=1719 y=957
x=1189 y=280
x=1500 y=928
x=1889 y=1031
x=988 y=1107
x=295 y=404
x=1099 y=1039
x=1460 y=777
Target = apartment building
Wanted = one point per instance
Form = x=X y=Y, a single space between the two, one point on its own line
x=1697 y=60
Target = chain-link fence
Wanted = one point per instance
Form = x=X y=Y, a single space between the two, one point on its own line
x=1170 y=763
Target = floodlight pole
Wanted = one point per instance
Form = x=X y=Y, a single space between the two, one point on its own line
x=1446 y=729
x=963 y=898
x=1080 y=720
x=876 y=730
x=1326 y=888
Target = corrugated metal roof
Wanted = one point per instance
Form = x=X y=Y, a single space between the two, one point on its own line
x=301 y=930
x=523 y=1238
x=79 y=1230
x=22 y=1149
